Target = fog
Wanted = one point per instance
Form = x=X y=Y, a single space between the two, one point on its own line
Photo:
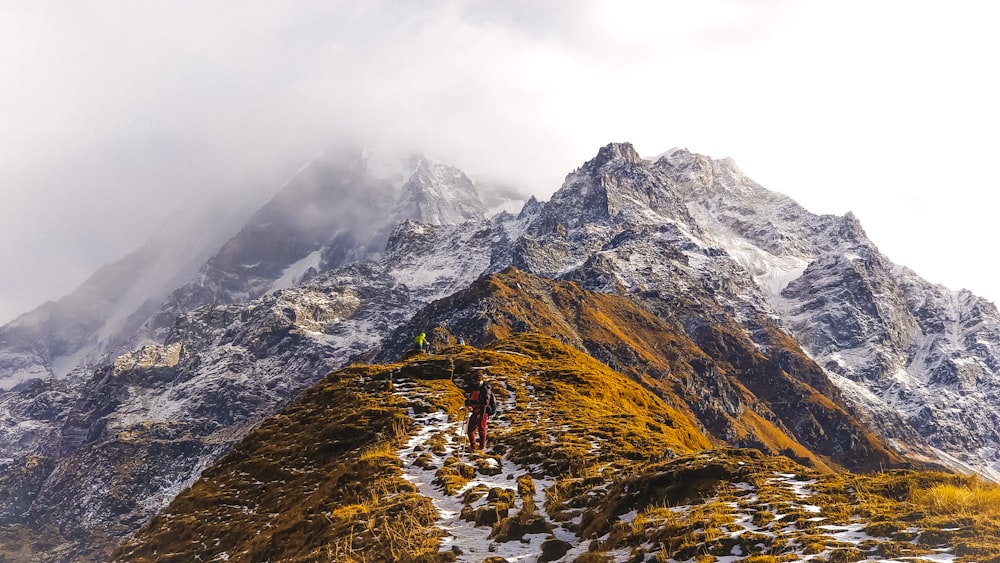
x=118 y=116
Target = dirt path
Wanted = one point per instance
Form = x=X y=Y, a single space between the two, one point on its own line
x=473 y=491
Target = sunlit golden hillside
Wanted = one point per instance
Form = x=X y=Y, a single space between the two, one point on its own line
x=583 y=464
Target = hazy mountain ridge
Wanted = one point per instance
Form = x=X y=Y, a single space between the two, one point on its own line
x=710 y=256
x=99 y=319
x=219 y=371
x=338 y=209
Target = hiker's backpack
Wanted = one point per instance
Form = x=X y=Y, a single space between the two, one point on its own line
x=491 y=401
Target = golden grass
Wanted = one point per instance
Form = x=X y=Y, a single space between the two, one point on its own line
x=327 y=480
x=974 y=498
x=313 y=484
x=658 y=351
x=379 y=452
x=351 y=512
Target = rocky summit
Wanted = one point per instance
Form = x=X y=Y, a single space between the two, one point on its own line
x=689 y=365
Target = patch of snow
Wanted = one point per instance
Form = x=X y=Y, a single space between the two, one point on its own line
x=35 y=371
x=472 y=541
x=293 y=274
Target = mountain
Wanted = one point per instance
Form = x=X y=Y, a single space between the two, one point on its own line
x=147 y=424
x=339 y=208
x=95 y=322
x=916 y=357
x=723 y=386
x=757 y=324
x=438 y=194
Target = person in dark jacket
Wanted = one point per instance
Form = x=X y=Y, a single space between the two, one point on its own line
x=483 y=403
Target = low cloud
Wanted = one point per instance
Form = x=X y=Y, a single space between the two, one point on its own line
x=118 y=115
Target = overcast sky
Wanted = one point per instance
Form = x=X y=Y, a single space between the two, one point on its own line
x=115 y=115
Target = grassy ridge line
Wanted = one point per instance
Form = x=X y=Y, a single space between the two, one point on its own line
x=710 y=371
x=321 y=480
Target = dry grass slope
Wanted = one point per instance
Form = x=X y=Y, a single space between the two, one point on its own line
x=318 y=482
x=321 y=481
x=629 y=475
x=707 y=369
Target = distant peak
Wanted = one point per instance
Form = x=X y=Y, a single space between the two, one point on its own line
x=671 y=152
x=679 y=157
x=530 y=208
x=852 y=228
x=616 y=151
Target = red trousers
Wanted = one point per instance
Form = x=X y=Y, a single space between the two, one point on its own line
x=477 y=424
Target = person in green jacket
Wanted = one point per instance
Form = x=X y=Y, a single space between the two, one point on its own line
x=420 y=341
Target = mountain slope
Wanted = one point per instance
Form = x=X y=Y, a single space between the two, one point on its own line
x=586 y=465
x=438 y=194
x=148 y=424
x=916 y=361
x=728 y=388
x=302 y=502
x=338 y=209
x=97 y=320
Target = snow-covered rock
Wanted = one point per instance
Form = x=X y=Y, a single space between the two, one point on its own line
x=438 y=194
x=99 y=319
x=913 y=357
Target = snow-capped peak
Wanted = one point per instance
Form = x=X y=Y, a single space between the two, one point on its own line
x=439 y=194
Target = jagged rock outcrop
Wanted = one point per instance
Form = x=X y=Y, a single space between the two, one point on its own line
x=877 y=328
x=438 y=194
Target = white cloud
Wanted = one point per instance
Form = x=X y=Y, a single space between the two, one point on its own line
x=115 y=114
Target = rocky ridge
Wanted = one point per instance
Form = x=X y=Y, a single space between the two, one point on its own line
x=912 y=357
x=338 y=209
x=782 y=404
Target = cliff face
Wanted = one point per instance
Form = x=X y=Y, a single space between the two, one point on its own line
x=916 y=361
